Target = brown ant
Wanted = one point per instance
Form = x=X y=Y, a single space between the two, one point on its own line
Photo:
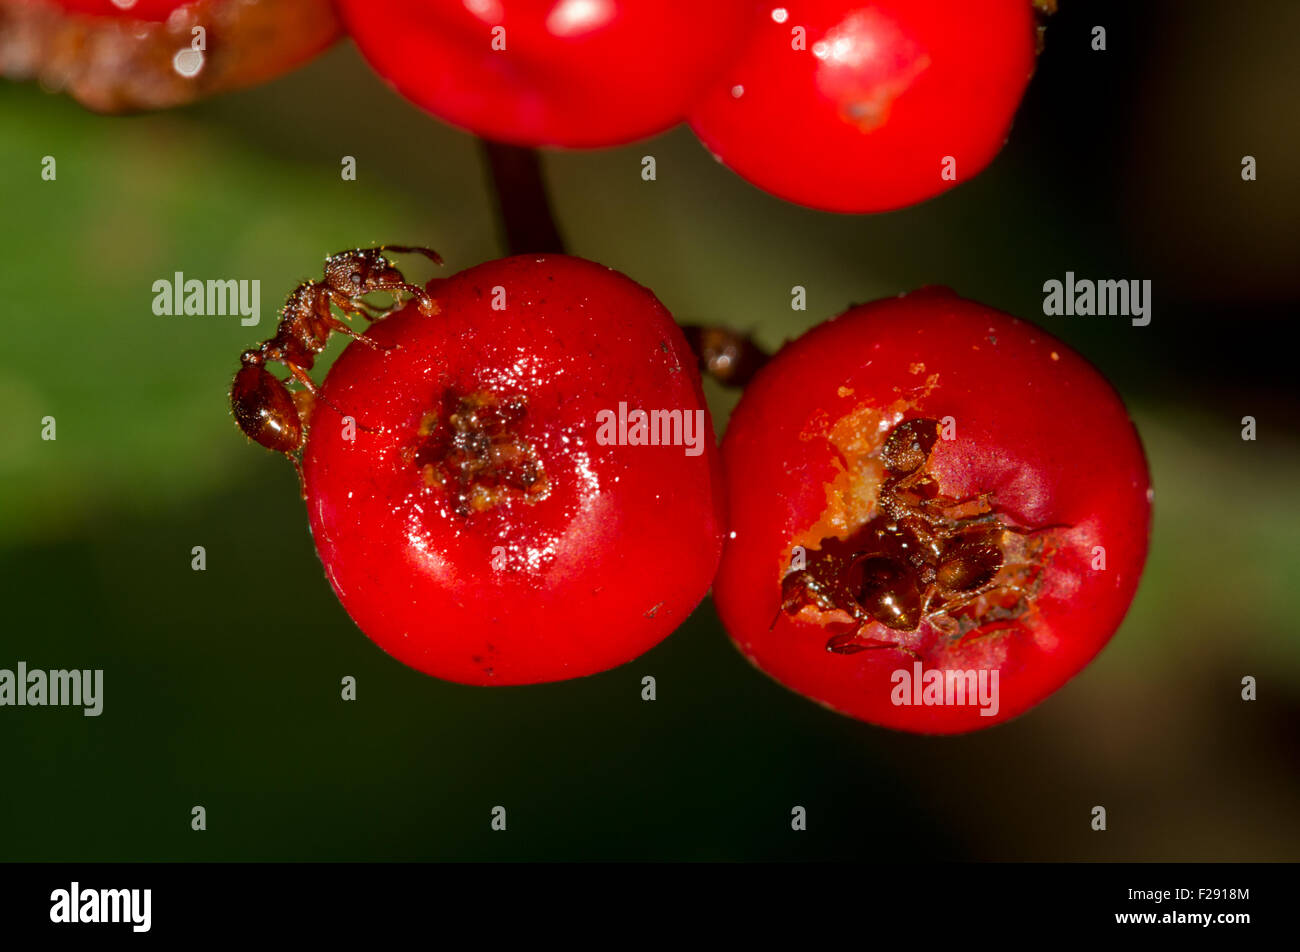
x=263 y=406
x=911 y=563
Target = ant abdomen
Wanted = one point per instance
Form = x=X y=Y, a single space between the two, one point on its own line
x=265 y=410
x=889 y=592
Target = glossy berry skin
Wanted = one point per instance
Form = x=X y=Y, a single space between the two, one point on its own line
x=550 y=556
x=1033 y=425
x=862 y=117
x=576 y=73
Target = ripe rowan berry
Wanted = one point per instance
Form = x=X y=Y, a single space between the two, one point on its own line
x=870 y=105
x=517 y=480
x=925 y=491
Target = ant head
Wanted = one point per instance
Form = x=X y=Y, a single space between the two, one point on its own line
x=800 y=589
x=908 y=446
x=358 y=272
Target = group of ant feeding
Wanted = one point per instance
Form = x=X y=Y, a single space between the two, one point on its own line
x=923 y=558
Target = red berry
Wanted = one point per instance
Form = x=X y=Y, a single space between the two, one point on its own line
x=576 y=73
x=478 y=527
x=116 y=56
x=866 y=106
x=969 y=494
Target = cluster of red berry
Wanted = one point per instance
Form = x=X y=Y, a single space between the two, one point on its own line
x=511 y=477
x=838 y=104
x=923 y=478
x=843 y=105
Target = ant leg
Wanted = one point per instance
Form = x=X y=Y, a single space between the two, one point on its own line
x=349 y=306
x=945 y=624
x=944 y=503
x=846 y=643
x=969 y=597
x=1029 y=532
x=304 y=401
x=421 y=297
x=305 y=379
x=953 y=501
x=851 y=642
x=302 y=479
x=995 y=628
x=992 y=627
x=370 y=312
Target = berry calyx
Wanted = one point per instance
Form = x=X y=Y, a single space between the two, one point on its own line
x=473 y=449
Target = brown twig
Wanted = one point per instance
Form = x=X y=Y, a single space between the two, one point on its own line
x=525 y=212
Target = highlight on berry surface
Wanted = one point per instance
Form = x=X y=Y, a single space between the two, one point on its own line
x=571 y=73
x=938 y=513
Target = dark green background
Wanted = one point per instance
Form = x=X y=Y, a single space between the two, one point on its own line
x=222 y=687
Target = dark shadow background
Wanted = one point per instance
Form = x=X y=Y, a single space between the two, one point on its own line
x=222 y=687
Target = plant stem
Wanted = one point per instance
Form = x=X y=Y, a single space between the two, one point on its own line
x=522 y=206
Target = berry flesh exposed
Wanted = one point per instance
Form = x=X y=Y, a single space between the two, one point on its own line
x=481 y=521
x=870 y=105
x=577 y=73
x=925 y=484
x=152 y=54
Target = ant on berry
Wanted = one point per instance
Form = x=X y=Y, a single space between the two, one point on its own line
x=913 y=562
x=263 y=406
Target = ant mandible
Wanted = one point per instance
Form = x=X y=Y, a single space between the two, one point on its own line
x=911 y=563
x=263 y=406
